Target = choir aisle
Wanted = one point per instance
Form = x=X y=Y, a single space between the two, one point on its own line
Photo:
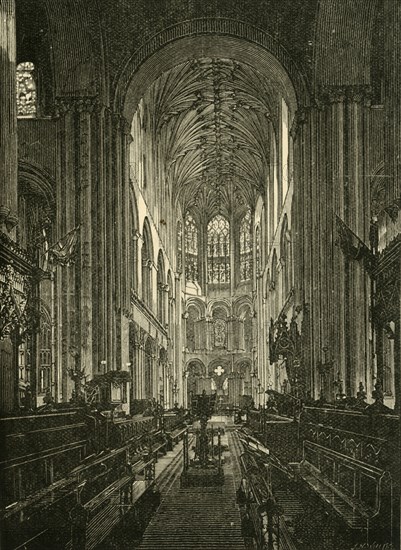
x=199 y=518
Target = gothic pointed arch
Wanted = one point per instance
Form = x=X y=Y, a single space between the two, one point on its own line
x=135 y=235
x=147 y=263
x=286 y=257
x=170 y=287
x=161 y=288
x=202 y=37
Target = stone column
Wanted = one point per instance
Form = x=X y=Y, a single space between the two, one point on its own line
x=99 y=200
x=127 y=231
x=82 y=287
x=357 y=217
x=179 y=330
x=392 y=143
x=331 y=159
x=85 y=109
x=67 y=219
x=8 y=118
x=302 y=226
x=335 y=107
x=392 y=98
x=109 y=241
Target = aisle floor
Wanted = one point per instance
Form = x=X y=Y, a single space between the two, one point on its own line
x=198 y=518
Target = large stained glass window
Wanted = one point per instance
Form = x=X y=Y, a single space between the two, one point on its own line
x=179 y=247
x=191 y=249
x=245 y=244
x=26 y=90
x=257 y=247
x=218 y=244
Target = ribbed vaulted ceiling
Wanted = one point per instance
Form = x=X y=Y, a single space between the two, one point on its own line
x=212 y=121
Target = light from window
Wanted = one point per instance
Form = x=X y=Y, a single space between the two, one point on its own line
x=245 y=247
x=179 y=247
x=257 y=246
x=218 y=243
x=284 y=147
x=26 y=90
x=45 y=374
x=191 y=249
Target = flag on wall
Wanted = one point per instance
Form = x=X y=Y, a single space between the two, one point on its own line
x=350 y=244
x=63 y=252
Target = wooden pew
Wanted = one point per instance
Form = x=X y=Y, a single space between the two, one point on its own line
x=356 y=490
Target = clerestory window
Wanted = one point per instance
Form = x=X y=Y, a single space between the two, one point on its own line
x=191 y=249
x=218 y=244
x=246 y=247
x=26 y=90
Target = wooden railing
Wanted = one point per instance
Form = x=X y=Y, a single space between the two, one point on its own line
x=359 y=492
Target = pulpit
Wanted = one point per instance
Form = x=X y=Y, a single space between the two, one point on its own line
x=204 y=469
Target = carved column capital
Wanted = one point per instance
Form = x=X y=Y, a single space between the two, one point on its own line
x=300 y=118
x=332 y=94
x=75 y=105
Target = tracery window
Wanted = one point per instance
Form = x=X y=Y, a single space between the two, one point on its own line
x=257 y=247
x=245 y=247
x=179 y=247
x=218 y=244
x=161 y=285
x=26 y=90
x=45 y=374
x=191 y=249
x=147 y=263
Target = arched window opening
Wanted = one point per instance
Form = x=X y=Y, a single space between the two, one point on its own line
x=193 y=316
x=220 y=328
x=191 y=249
x=274 y=271
x=149 y=359
x=134 y=243
x=248 y=331
x=284 y=149
x=45 y=373
x=285 y=246
x=26 y=90
x=161 y=287
x=257 y=250
x=218 y=244
x=170 y=301
x=147 y=263
x=179 y=247
x=246 y=247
